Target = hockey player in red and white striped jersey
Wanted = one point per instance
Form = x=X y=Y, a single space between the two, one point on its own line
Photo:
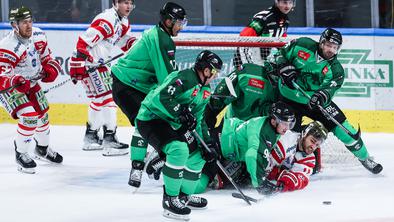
x=292 y=159
x=108 y=30
x=25 y=58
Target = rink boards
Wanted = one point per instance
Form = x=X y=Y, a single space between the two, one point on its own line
x=366 y=55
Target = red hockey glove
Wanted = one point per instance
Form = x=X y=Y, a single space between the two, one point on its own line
x=292 y=181
x=51 y=70
x=24 y=84
x=77 y=65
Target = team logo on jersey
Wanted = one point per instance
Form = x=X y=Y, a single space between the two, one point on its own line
x=106 y=27
x=325 y=70
x=303 y=55
x=195 y=91
x=171 y=53
x=179 y=82
x=257 y=83
x=206 y=94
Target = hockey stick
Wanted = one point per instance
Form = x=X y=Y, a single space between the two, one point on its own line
x=91 y=69
x=239 y=196
x=244 y=197
x=328 y=116
x=10 y=88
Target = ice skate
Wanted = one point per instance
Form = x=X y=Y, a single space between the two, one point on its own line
x=154 y=165
x=174 y=208
x=136 y=173
x=25 y=164
x=371 y=165
x=91 y=140
x=111 y=145
x=193 y=202
x=47 y=154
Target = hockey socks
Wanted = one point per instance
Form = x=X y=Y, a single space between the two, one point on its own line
x=357 y=147
x=138 y=147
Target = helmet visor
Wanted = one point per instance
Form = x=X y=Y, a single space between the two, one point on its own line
x=288 y=124
x=182 y=23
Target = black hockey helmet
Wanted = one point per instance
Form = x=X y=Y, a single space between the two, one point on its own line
x=174 y=12
x=316 y=129
x=18 y=14
x=294 y=2
x=282 y=112
x=208 y=59
x=331 y=35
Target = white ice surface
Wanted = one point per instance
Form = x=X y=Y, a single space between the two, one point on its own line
x=90 y=187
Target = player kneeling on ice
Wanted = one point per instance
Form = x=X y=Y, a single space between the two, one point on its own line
x=24 y=59
x=292 y=159
x=168 y=117
x=250 y=142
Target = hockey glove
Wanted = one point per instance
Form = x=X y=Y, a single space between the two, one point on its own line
x=211 y=154
x=77 y=65
x=269 y=188
x=187 y=119
x=23 y=84
x=319 y=98
x=51 y=69
x=288 y=73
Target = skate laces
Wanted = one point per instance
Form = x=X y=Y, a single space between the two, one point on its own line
x=51 y=153
x=194 y=199
x=157 y=165
x=25 y=158
x=177 y=203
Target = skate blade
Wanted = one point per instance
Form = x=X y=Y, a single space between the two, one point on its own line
x=26 y=170
x=115 y=152
x=43 y=159
x=92 y=147
x=197 y=208
x=171 y=215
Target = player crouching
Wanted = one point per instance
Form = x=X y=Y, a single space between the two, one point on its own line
x=24 y=59
x=292 y=160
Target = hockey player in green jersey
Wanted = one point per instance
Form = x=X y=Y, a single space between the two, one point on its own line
x=145 y=67
x=254 y=91
x=313 y=66
x=167 y=119
x=251 y=142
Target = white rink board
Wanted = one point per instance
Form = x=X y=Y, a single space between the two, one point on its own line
x=374 y=79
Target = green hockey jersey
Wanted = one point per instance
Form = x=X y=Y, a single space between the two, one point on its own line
x=250 y=142
x=316 y=73
x=148 y=62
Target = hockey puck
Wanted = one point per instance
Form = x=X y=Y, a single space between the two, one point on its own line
x=327 y=202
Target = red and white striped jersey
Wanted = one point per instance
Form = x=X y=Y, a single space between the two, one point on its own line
x=106 y=31
x=23 y=56
x=287 y=161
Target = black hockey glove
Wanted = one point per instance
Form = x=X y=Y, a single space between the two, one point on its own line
x=320 y=97
x=212 y=154
x=288 y=73
x=187 y=119
x=268 y=188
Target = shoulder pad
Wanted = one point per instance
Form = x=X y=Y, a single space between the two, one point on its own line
x=12 y=46
x=38 y=35
x=108 y=15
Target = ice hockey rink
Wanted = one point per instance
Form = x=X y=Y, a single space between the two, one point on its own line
x=90 y=187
